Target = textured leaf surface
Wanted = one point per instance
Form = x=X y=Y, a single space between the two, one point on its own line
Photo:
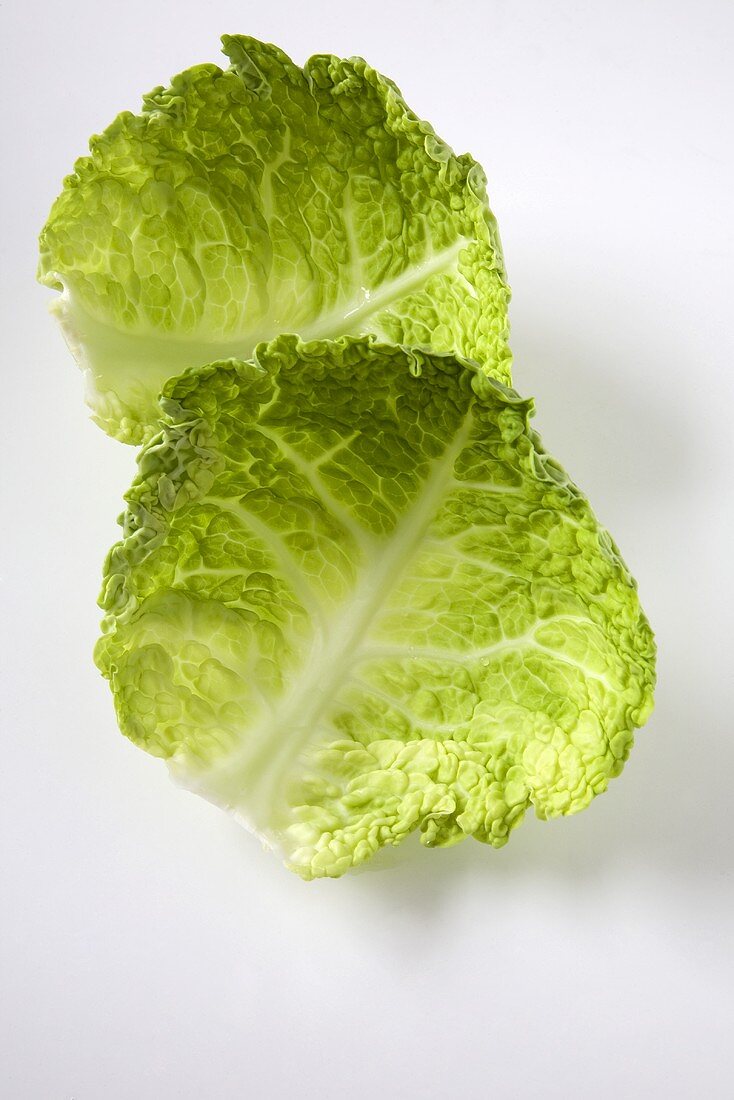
x=355 y=598
x=265 y=199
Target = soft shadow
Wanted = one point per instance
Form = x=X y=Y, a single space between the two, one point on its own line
x=628 y=443
x=661 y=818
x=624 y=439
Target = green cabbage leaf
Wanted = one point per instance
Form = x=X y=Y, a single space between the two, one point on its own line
x=262 y=199
x=355 y=598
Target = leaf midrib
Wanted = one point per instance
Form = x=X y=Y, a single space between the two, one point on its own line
x=349 y=318
x=327 y=667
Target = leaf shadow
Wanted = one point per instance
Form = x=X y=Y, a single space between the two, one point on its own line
x=667 y=817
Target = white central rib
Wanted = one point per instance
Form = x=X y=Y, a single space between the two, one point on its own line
x=264 y=759
x=173 y=350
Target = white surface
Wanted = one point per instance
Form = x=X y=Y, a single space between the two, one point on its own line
x=149 y=948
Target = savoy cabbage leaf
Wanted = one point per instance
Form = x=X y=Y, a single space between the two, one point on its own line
x=262 y=199
x=355 y=598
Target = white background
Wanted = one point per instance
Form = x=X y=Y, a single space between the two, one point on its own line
x=150 y=949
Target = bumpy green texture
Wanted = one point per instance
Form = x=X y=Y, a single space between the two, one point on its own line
x=264 y=199
x=355 y=598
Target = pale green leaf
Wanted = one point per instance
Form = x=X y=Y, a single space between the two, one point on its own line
x=355 y=598
x=262 y=199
